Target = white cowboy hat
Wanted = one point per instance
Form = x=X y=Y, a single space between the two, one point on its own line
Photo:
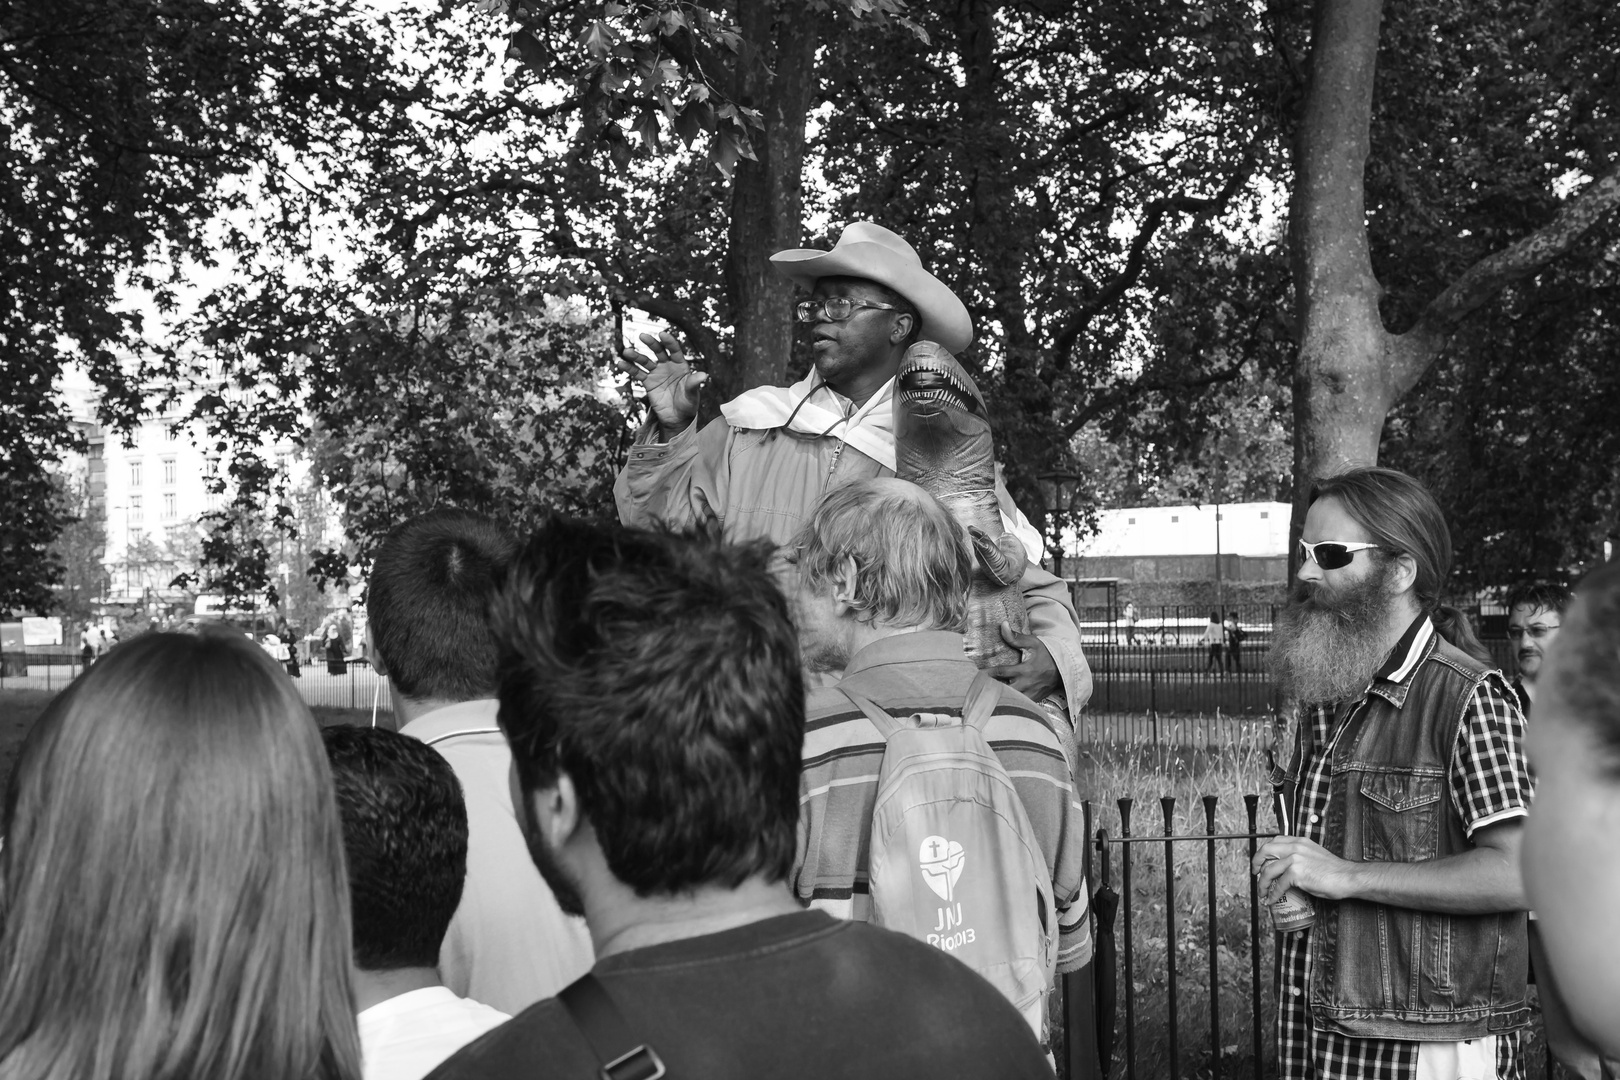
x=867 y=250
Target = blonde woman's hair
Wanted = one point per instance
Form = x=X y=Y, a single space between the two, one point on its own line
x=172 y=888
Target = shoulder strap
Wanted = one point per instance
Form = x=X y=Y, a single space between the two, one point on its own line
x=982 y=698
x=598 y=1019
x=886 y=724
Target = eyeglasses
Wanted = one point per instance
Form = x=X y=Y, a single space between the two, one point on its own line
x=1532 y=631
x=835 y=308
x=1333 y=554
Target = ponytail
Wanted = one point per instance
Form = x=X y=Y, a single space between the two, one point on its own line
x=1455 y=627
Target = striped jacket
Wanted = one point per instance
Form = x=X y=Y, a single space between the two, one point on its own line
x=927 y=672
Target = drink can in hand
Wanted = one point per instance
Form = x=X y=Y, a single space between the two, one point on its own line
x=1294 y=912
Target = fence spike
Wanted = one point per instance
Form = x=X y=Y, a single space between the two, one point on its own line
x=1168 y=804
x=1125 y=893
x=1251 y=807
x=1214 y=944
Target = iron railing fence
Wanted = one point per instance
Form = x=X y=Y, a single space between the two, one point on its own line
x=1200 y=1000
x=1221 y=950
x=1169 y=624
x=358 y=687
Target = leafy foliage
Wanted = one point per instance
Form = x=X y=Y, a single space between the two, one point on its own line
x=147 y=140
x=486 y=403
x=1062 y=168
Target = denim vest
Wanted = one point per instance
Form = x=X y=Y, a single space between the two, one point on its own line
x=1396 y=973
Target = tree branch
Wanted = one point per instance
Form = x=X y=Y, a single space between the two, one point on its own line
x=682 y=318
x=1103 y=402
x=1156 y=213
x=1418 y=347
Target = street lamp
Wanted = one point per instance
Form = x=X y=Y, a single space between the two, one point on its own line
x=1059 y=491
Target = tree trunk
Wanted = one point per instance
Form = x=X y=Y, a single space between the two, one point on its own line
x=1350 y=370
x=988 y=156
x=767 y=195
x=1340 y=387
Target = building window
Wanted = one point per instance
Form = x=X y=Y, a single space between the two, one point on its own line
x=134 y=509
x=168 y=506
x=1264 y=514
x=135 y=474
x=1220 y=517
x=1174 y=518
x=169 y=471
x=1130 y=521
x=173 y=431
x=213 y=501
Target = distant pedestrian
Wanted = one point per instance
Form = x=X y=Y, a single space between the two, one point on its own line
x=87 y=645
x=1128 y=617
x=336 y=664
x=1535 y=613
x=1212 y=639
x=1234 y=642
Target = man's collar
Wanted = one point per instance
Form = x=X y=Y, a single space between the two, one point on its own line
x=908 y=649
x=1394 y=680
x=462 y=716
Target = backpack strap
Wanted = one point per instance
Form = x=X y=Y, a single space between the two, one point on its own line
x=622 y=1056
x=982 y=698
x=886 y=724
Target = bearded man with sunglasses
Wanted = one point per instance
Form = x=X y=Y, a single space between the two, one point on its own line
x=761 y=468
x=1406 y=791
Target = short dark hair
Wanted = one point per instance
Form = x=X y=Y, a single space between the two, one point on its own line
x=428 y=603
x=1540 y=596
x=661 y=673
x=405 y=836
x=1586 y=655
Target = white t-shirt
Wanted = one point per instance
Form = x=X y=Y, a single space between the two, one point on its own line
x=408 y=1036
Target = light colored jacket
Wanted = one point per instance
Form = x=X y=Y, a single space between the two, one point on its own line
x=764 y=483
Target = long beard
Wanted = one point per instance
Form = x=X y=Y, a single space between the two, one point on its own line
x=1326 y=647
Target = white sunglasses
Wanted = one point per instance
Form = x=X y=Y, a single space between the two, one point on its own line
x=1333 y=554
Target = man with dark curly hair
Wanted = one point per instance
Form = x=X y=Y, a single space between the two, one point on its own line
x=651 y=691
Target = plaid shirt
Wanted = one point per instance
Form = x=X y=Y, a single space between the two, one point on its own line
x=1489 y=782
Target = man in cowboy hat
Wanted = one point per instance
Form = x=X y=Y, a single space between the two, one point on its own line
x=761 y=468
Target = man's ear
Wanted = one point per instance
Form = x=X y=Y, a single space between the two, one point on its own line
x=556 y=810
x=1405 y=574
x=902 y=327
x=846 y=579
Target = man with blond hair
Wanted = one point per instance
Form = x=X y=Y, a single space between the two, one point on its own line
x=884 y=574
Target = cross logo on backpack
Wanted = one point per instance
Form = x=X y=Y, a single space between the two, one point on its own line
x=948 y=826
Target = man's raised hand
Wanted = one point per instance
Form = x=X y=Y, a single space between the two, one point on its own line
x=671 y=383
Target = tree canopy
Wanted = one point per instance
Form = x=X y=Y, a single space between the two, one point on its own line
x=408 y=241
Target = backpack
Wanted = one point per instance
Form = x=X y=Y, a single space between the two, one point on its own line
x=954 y=861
